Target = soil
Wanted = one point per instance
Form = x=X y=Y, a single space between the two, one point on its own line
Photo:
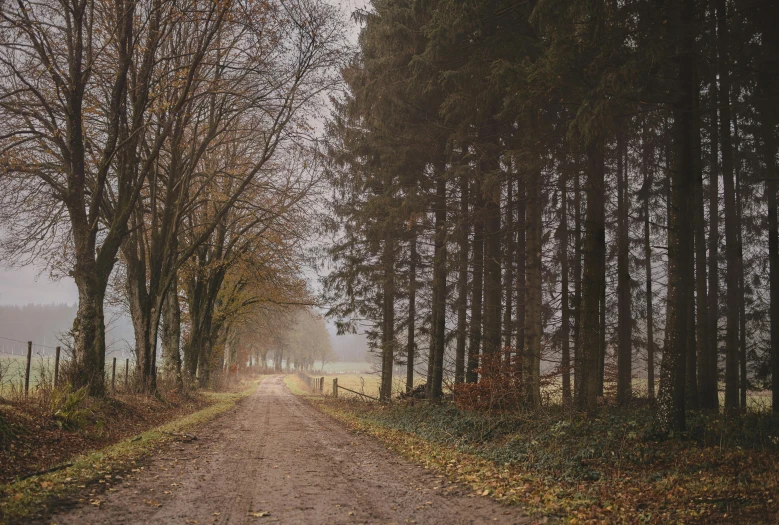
x=35 y=442
x=274 y=458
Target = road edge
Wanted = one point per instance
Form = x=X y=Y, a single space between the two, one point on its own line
x=33 y=497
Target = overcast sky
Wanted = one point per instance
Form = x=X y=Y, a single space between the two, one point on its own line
x=24 y=286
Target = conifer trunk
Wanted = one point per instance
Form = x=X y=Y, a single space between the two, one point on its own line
x=462 y=284
x=731 y=224
x=706 y=383
x=508 y=272
x=474 y=343
x=672 y=396
x=388 y=321
x=412 y=312
x=492 y=248
x=565 y=313
x=439 y=285
x=624 y=316
x=577 y=265
x=521 y=254
x=532 y=357
x=650 y=326
x=768 y=126
x=710 y=396
x=587 y=369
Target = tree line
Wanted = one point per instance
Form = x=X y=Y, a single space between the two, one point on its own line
x=584 y=192
x=160 y=154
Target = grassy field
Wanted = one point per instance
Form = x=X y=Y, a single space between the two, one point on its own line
x=12 y=371
x=343 y=367
x=366 y=383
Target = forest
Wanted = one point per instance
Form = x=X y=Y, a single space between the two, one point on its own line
x=565 y=202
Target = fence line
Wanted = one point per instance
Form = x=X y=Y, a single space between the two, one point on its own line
x=315 y=384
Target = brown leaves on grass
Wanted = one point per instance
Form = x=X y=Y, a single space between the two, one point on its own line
x=685 y=483
x=38 y=443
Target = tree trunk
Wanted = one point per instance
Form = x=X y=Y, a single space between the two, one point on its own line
x=577 y=266
x=671 y=398
x=388 y=331
x=602 y=337
x=532 y=358
x=768 y=125
x=462 y=284
x=412 y=312
x=731 y=218
x=624 y=315
x=742 y=354
x=508 y=272
x=521 y=254
x=474 y=344
x=439 y=284
x=492 y=235
x=141 y=313
x=695 y=348
x=710 y=396
x=707 y=385
x=593 y=281
x=171 y=335
x=565 y=313
x=650 y=326
x=89 y=334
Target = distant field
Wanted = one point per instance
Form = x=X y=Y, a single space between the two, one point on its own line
x=344 y=367
x=12 y=370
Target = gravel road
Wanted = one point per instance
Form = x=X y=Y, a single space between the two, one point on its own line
x=275 y=459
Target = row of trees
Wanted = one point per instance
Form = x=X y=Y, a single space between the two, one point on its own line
x=584 y=190
x=159 y=153
x=297 y=338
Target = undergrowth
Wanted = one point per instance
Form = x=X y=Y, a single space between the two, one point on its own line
x=612 y=467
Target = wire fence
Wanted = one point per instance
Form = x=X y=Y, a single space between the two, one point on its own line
x=30 y=369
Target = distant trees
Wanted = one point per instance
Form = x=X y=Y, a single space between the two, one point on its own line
x=300 y=331
x=140 y=133
x=546 y=180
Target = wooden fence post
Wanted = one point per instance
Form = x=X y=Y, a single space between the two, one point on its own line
x=321 y=384
x=335 y=387
x=57 y=367
x=113 y=377
x=126 y=371
x=27 y=372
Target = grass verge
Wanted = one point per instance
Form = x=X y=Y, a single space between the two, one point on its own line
x=33 y=496
x=606 y=469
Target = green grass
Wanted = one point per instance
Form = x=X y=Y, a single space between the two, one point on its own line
x=26 y=498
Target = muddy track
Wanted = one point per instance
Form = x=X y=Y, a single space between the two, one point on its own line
x=276 y=459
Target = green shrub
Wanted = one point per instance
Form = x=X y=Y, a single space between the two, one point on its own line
x=67 y=407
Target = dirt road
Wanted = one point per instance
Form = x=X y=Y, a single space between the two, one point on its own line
x=276 y=459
